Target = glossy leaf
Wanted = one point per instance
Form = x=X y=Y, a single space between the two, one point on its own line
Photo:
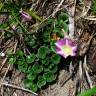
x=30 y=58
x=23 y=67
x=53 y=68
x=37 y=68
x=45 y=61
x=55 y=59
x=31 y=76
x=41 y=81
x=42 y=52
x=30 y=85
x=34 y=87
x=19 y=53
x=49 y=76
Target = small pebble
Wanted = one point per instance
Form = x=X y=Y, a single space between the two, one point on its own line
x=2 y=54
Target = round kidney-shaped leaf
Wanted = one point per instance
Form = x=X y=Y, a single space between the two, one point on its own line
x=55 y=59
x=30 y=58
x=46 y=36
x=46 y=69
x=37 y=68
x=54 y=69
x=63 y=16
x=42 y=52
x=41 y=81
x=49 y=76
x=19 y=53
x=31 y=76
x=45 y=61
x=20 y=62
x=23 y=67
x=33 y=87
x=27 y=83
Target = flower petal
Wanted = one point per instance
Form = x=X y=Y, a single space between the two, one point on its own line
x=61 y=42
x=74 y=48
x=66 y=47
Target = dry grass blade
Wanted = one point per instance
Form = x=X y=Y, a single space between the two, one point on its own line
x=71 y=20
x=86 y=72
x=4 y=61
x=4 y=78
x=87 y=5
x=93 y=18
x=57 y=8
x=19 y=88
x=71 y=68
x=80 y=70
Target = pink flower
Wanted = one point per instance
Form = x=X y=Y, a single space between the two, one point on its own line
x=66 y=47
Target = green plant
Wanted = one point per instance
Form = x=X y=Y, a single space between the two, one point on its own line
x=35 y=65
x=89 y=92
x=49 y=76
x=41 y=81
x=42 y=52
x=30 y=58
x=41 y=66
x=61 y=23
x=93 y=7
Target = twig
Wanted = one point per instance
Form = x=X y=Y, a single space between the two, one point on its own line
x=4 y=78
x=80 y=70
x=19 y=88
x=80 y=75
x=44 y=3
x=86 y=72
x=71 y=20
x=4 y=61
x=71 y=68
x=57 y=8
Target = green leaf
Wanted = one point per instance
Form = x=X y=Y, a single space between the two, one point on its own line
x=46 y=36
x=49 y=76
x=63 y=16
x=37 y=68
x=34 y=15
x=53 y=68
x=19 y=53
x=31 y=76
x=41 y=81
x=89 y=92
x=53 y=45
x=46 y=69
x=45 y=61
x=29 y=70
x=23 y=67
x=57 y=30
x=30 y=58
x=65 y=27
x=20 y=62
x=42 y=52
x=32 y=43
x=30 y=85
x=55 y=59
x=12 y=60
x=34 y=87
x=27 y=83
